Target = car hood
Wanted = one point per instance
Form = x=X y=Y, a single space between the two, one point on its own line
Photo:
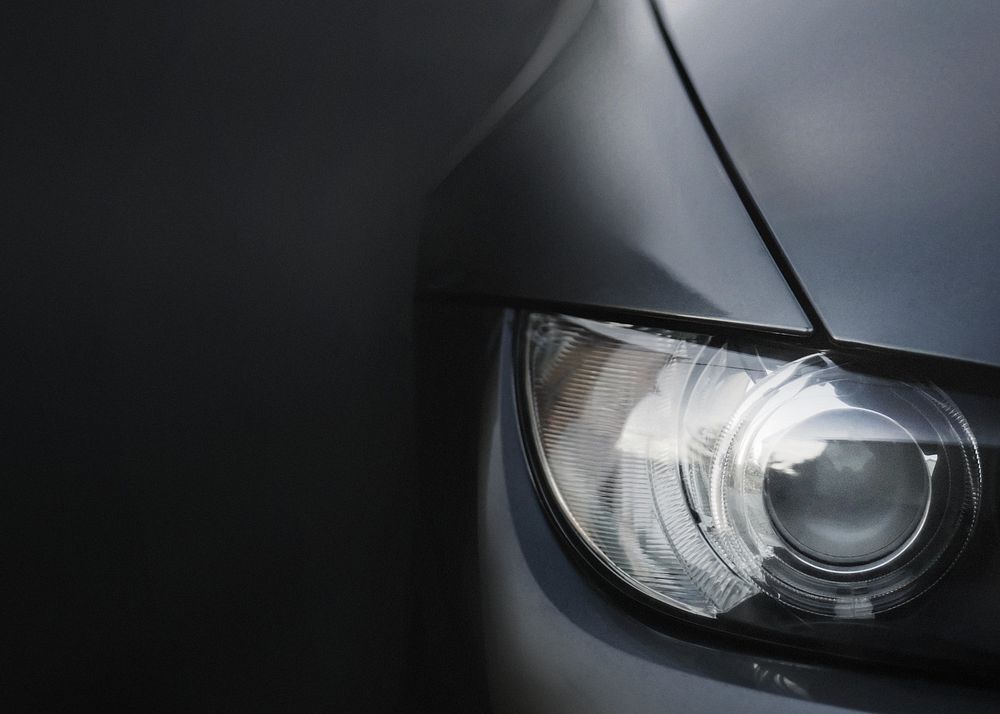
x=868 y=134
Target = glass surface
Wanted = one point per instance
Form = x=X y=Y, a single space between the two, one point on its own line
x=704 y=474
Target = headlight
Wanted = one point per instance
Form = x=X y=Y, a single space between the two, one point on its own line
x=707 y=475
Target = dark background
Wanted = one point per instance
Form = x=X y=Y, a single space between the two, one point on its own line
x=209 y=237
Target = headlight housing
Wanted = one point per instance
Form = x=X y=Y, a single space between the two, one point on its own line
x=749 y=483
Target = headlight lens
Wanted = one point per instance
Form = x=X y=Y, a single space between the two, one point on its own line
x=706 y=475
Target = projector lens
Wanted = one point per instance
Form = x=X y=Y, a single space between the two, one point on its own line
x=846 y=487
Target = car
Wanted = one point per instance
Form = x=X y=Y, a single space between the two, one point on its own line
x=708 y=345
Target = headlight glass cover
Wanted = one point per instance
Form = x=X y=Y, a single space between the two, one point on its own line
x=751 y=483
